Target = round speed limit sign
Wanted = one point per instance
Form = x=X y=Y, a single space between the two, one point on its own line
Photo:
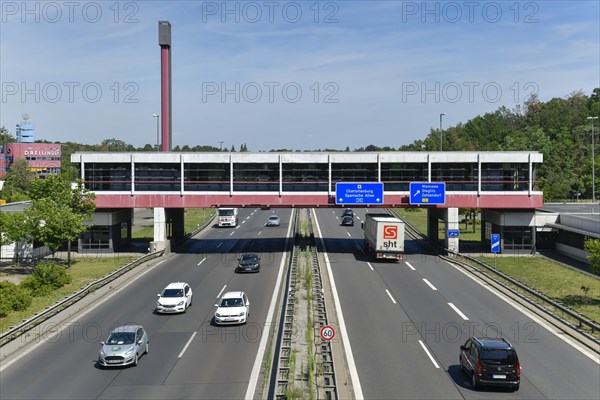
x=327 y=332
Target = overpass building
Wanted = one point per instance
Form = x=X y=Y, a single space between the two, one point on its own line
x=170 y=182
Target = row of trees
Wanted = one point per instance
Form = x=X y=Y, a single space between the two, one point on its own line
x=59 y=212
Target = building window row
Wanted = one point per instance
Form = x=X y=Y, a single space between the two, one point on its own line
x=300 y=177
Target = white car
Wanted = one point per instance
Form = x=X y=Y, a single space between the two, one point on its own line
x=234 y=308
x=176 y=297
x=273 y=221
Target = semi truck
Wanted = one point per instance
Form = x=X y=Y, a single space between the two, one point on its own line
x=384 y=236
x=228 y=216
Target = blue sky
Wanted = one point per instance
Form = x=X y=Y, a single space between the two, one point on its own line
x=287 y=74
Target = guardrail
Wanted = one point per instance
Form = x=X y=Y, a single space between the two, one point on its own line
x=544 y=303
x=26 y=325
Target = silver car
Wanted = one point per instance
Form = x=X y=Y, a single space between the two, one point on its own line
x=273 y=221
x=124 y=346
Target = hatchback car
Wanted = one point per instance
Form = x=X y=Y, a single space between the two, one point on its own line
x=492 y=362
x=348 y=213
x=176 y=297
x=348 y=221
x=248 y=262
x=124 y=346
x=273 y=221
x=233 y=308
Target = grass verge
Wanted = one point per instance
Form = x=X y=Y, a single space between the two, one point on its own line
x=579 y=292
x=83 y=272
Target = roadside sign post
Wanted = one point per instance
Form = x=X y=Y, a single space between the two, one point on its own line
x=495 y=246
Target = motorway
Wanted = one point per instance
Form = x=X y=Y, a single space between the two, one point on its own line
x=189 y=357
x=405 y=322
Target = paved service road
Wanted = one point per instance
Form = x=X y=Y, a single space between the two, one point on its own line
x=189 y=357
x=404 y=319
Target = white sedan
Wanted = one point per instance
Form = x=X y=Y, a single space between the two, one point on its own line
x=234 y=308
x=176 y=297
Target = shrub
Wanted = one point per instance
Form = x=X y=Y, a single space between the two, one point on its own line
x=45 y=278
x=13 y=298
x=592 y=246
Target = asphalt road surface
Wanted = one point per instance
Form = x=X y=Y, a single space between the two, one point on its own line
x=189 y=357
x=406 y=321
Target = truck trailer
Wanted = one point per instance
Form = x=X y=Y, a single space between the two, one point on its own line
x=384 y=236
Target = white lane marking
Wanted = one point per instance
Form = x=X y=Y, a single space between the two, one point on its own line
x=428 y=354
x=534 y=317
x=219 y=245
x=429 y=284
x=370 y=266
x=248 y=217
x=348 y=233
x=231 y=233
x=463 y=316
x=389 y=294
x=187 y=344
x=259 y=232
x=358 y=394
x=410 y=266
x=238 y=227
x=45 y=337
x=244 y=221
x=204 y=259
x=256 y=369
x=221 y=292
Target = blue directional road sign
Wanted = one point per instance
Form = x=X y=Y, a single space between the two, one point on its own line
x=427 y=193
x=453 y=233
x=495 y=243
x=359 y=193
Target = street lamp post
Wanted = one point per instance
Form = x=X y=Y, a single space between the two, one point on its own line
x=441 y=135
x=157 y=133
x=593 y=166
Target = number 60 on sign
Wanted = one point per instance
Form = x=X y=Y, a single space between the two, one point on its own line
x=327 y=333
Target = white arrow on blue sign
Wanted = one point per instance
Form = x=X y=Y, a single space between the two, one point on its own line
x=495 y=243
x=359 y=193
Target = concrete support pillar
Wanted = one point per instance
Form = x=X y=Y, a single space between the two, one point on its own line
x=452 y=222
x=160 y=229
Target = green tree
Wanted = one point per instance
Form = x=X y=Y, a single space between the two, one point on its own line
x=17 y=181
x=59 y=213
x=6 y=137
x=13 y=226
x=592 y=246
x=115 y=145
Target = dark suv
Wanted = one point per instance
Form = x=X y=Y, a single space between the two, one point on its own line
x=490 y=362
